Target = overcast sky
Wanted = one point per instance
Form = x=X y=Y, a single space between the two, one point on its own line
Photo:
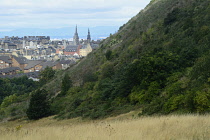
x=16 y=14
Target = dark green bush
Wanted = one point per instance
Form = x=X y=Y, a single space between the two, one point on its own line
x=39 y=106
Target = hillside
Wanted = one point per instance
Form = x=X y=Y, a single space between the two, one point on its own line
x=157 y=63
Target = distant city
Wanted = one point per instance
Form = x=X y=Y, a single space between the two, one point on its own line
x=28 y=55
x=98 y=32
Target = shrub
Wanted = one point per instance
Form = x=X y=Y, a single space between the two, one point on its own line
x=39 y=106
x=66 y=84
x=202 y=101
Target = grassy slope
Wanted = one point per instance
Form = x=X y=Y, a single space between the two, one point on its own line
x=150 y=128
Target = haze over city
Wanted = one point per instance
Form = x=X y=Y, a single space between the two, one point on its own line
x=52 y=14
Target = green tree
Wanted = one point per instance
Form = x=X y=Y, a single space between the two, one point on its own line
x=39 y=106
x=201 y=100
x=8 y=100
x=47 y=74
x=66 y=84
x=108 y=55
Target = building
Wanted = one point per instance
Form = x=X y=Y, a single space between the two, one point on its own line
x=20 y=62
x=33 y=65
x=53 y=64
x=31 y=75
x=85 y=50
x=5 y=62
x=72 y=50
x=88 y=37
x=77 y=48
x=66 y=63
x=76 y=38
x=10 y=71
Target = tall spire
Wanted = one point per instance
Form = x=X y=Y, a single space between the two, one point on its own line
x=88 y=36
x=76 y=37
x=76 y=30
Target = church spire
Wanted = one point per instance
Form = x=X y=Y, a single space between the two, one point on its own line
x=88 y=36
x=76 y=30
x=76 y=37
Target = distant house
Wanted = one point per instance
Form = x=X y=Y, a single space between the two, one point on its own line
x=12 y=46
x=5 y=62
x=55 y=57
x=72 y=50
x=59 y=51
x=10 y=71
x=85 y=50
x=32 y=66
x=66 y=63
x=54 y=65
x=5 y=53
x=31 y=75
x=20 y=62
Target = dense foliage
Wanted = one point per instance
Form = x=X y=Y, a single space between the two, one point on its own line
x=15 y=94
x=17 y=86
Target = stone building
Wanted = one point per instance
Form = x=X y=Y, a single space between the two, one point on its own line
x=77 y=48
x=5 y=62
x=20 y=62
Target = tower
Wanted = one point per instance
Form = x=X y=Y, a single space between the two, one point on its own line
x=24 y=44
x=64 y=43
x=88 y=37
x=2 y=42
x=76 y=38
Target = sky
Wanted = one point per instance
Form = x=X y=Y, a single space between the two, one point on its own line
x=16 y=14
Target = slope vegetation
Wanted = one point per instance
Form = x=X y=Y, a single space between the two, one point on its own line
x=158 y=61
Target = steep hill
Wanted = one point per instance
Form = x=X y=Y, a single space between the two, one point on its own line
x=158 y=63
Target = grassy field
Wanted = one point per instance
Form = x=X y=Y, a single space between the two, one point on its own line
x=127 y=127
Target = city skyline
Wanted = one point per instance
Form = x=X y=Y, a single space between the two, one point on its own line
x=46 y=14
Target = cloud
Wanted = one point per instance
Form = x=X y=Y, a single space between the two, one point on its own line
x=61 y=13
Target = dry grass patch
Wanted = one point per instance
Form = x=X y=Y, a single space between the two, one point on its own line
x=188 y=127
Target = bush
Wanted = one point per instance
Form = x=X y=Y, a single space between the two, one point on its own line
x=66 y=84
x=202 y=101
x=47 y=74
x=39 y=106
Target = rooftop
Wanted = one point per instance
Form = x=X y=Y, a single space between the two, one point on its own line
x=6 y=59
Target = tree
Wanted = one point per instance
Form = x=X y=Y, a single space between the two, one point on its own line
x=108 y=55
x=201 y=101
x=47 y=74
x=39 y=106
x=66 y=84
